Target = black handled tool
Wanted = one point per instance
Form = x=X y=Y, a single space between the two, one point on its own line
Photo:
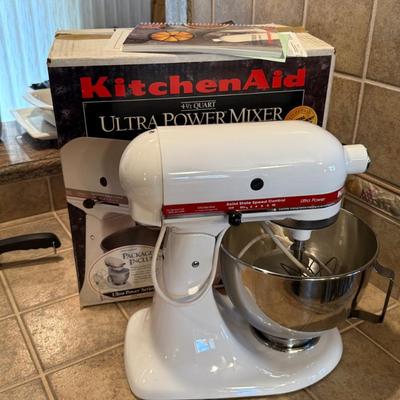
x=28 y=242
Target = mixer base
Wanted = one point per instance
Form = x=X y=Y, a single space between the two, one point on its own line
x=192 y=352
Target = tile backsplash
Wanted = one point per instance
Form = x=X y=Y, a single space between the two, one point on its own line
x=365 y=94
x=272 y=10
x=343 y=108
x=379 y=129
x=345 y=25
x=384 y=59
x=23 y=198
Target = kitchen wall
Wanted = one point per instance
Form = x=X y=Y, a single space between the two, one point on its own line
x=365 y=103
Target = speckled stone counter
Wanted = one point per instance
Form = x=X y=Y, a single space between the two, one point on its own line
x=22 y=157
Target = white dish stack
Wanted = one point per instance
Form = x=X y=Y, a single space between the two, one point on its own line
x=38 y=121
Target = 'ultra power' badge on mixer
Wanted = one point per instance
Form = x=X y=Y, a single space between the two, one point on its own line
x=302 y=113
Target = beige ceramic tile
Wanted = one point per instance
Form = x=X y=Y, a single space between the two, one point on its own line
x=31 y=390
x=384 y=59
x=5 y=308
x=15 y=361
x=58 y=192
x=103 y=377
x=62 y=332
x=43 y=281
x=25 y=220
x=238 y=11
x=135 y=305
x=386 y=334
x=98 y=378
x=364 y=372
x=24 y=198
x=201 y=11
x=378 y=131
x=342 y=109
x=373 y=298
x=287 y=12
x=36 y=226
x=388 y=235
x=344 y=24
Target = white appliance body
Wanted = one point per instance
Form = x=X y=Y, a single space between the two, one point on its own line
x=192 y=180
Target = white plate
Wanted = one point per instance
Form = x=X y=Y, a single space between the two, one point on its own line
x=40 y=98
x=48 y=116
x=31 y=119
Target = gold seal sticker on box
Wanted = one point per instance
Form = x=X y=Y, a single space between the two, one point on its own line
x=302 y=113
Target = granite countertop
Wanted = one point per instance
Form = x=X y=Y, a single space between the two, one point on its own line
x=22 y=157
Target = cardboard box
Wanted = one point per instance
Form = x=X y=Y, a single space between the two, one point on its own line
x=103 y=98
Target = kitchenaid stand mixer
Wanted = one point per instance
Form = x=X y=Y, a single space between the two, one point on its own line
x=195 y=182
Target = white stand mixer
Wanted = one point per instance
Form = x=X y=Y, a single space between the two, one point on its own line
x=195 y=182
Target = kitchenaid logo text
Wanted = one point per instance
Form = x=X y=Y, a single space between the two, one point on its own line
x=104 y=87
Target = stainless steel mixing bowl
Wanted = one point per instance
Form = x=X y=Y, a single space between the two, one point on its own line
x=287 y=307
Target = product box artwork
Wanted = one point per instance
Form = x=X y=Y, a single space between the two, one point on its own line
x=103 y=98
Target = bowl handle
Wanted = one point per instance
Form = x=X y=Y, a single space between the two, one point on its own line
x=377 y=318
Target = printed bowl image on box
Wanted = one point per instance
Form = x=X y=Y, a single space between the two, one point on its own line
x=123 y=271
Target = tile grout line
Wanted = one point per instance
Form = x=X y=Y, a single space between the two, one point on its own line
x=59 y=220
x=346 y=329
x=36 y=307
x=60 y=367
x=213 y=11
x=305 y=11
x=28 y=340
x=382 y=85
x=48 y=304
x=35 y=218
x=18 y=313
x=365 y=68
x=393 y=306
x=124 y=313
x=310 y=393
x=65 y=250
x=346 y=76
x=51 y=199
x=15 y=385
x=7 y=317
x=253 y=11
x=366 y=80
x=41 y=372
x=378 y=345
